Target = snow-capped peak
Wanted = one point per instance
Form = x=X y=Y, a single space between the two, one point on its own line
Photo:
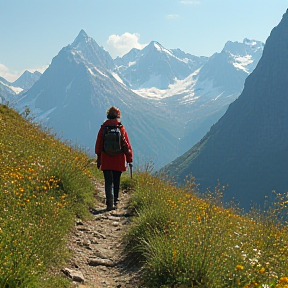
x=254 y=45
x=247 y=47
x=81 y=38
x=160 y=48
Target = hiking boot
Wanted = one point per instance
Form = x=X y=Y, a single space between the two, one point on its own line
x=110 y=208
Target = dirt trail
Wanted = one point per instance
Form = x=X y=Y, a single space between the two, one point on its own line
x=98 y=248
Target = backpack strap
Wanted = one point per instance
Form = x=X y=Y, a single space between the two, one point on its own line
x=106 y=128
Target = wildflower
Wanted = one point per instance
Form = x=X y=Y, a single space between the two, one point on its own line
x=174 y=255
x=172 y=202
x=283 y=280
x=262 y=270
x=239 y=267
x=281 y=286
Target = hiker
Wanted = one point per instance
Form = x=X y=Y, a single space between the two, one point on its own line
x=110 y=159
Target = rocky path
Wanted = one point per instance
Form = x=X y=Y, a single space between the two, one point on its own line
x=98 y=249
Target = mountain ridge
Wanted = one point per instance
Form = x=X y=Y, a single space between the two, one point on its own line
x=74 y=95
x=248 y=147
x=87 y=75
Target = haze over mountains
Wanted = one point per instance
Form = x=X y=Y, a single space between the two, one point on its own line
x=248 y=147
x=156 y=66
x=27 y=80
x=10 y=91
x=169 y=99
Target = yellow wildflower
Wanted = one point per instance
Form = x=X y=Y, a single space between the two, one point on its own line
x=239 y=267
x=262 y=270
x=283 y=280
x=174 y=255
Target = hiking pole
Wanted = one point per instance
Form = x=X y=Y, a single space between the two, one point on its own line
x=130 y=165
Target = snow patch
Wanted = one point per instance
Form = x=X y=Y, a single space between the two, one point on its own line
x=97 y=70
x=151 y=93
x=217 y=96
x=167 y=51
x=242 y=62
x=161 y=48
x=185 y=86
x=16 y=90
x=117 y=77
x=131 y=63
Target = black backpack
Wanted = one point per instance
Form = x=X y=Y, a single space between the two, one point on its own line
x=112 y=140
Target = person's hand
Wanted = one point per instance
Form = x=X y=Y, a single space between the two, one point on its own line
x=130 y=166
x=98 y=162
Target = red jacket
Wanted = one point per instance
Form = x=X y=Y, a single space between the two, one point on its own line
x=113 y=162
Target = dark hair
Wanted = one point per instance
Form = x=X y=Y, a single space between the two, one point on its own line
x=113 y=113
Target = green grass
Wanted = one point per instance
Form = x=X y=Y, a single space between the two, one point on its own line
x=184 y=240
x=44 y=184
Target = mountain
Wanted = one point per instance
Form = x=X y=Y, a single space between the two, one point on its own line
x=230 y=68
x=85 y=48
x=4 y=81
x=248 y=147
x=156 y=66
x=27 y=79
x=74 y=92
x=198 y=101
x=83 y=76
x=8 y=93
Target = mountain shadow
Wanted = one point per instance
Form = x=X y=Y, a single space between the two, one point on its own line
x=248 y=147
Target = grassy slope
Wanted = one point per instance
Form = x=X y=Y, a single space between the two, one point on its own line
x=43 y=185
x=185 y=241
x=182 y=239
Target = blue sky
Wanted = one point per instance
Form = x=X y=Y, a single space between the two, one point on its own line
x=32 y=32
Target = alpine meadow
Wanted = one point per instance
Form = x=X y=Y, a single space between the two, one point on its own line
x=206 y=203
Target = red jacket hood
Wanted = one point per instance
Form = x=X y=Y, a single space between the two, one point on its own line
x=112 y=122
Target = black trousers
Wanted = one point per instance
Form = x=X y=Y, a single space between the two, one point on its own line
x=112 y=184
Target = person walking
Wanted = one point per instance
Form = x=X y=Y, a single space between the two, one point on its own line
x=113 y=163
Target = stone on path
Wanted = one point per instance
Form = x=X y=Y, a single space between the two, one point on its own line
x=74 y=275
x=100 y=261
